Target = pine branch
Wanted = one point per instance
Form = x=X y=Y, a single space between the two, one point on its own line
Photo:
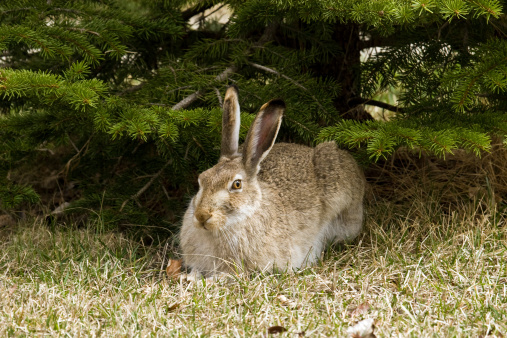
x=213 y=12
x=17 y=10
x=380 y=104
x=82 y=30
x=294 y=82
x=132 y=89
x=187 y=101
x=268 y=35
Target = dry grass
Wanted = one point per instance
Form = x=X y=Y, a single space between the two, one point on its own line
x=422 y=273
x=408 y=176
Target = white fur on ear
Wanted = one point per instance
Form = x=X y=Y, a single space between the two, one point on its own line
x=266 y=152
x=237 y=125
x=262 y=134
x=231 y=122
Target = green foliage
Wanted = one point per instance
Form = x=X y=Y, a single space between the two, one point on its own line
x=12 y=195
x=48 y=89
x=380 y=139
x=88 y=89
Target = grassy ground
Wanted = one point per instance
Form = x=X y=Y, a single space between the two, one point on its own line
x=418 y=273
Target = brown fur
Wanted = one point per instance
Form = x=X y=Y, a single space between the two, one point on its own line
x=300 y=199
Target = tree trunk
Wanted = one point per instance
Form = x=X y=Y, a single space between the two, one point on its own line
x=345 y=68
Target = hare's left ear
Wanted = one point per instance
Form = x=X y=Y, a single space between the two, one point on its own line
x=262 y=135
x=230 y=123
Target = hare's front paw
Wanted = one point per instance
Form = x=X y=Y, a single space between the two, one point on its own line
x=197 y=277
x=193 y=276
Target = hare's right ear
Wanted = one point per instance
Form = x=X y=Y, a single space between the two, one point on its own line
x=230 y=123
x=262 y=135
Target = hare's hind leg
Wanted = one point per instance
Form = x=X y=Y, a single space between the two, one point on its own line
x=346 y=226
x=343 y=227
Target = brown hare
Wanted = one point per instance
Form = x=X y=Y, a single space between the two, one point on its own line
x=268 y=205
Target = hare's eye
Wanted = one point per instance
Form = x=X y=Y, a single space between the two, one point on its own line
x=236 y=184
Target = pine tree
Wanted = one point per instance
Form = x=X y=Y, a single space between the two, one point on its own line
x=123 y=98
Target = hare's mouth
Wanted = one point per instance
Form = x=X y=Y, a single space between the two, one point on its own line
x=202 y=223
x=210 y=223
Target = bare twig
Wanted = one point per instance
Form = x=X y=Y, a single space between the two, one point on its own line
x=211 y=13
x=298 y=123
x=176 y=89
x=187 y=101
x=380 y=104
x=219 y=97
x=268 y=35
x=82 y=30
x=346 y=53
x=68 y=10
x=147 y=185
x=169 y=198
x=498 y=29
x=194 y=96
x=117 y=165
x=297 y=84
x=198 y=144
x=157 y=104
x=73 y=144
x=82 y=150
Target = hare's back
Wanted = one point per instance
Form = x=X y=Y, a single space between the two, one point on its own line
x=289 y=173
x=304 y=175
x=338 y=176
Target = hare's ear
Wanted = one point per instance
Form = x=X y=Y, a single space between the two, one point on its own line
x=230 y=123
x=262 y=135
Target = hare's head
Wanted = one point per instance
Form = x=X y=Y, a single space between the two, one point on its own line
x=229 y=191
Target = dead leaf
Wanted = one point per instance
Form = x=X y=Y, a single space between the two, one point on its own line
x=173 y=307
x=361 y=309
x=173 y=268
x=276 y=329
x=363 y=329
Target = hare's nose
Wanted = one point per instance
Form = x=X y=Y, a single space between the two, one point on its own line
x=202 y=217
